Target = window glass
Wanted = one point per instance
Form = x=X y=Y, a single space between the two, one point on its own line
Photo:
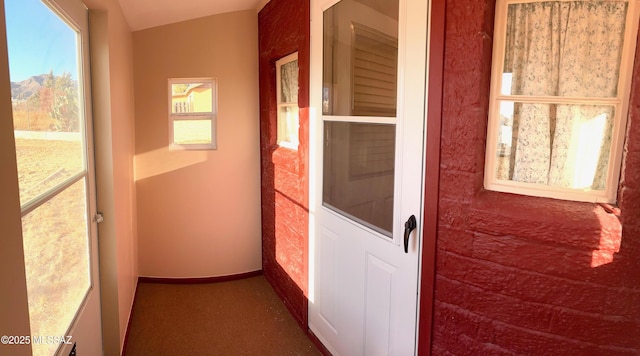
x=566 y=48
x=192 y=113
x=192 y=132
x=288 y=124
x=191 y=97
x=289 y=82
x=579 y=137
x=287 y=87
x=560 y=97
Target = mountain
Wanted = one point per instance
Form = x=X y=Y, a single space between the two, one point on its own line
x=25 y=89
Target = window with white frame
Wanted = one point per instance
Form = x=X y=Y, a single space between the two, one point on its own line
x=192 y=113
x=560 y=87
x=287 y=97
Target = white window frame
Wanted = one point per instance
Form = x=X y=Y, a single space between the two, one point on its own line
x=210 y=116
x=280 y=104
x=621 y=104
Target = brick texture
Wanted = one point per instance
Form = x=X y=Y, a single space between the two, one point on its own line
x=283 y=27
x=517 y=274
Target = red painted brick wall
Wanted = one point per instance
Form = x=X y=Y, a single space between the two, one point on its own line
x=283 y=27
x=517 y=274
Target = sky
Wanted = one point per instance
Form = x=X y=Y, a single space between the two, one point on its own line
x=38 y=41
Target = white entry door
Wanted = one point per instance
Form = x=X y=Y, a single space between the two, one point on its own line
x=368 y=60
x=49 y=68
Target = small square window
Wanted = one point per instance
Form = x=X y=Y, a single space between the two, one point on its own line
x=192 y=113
x=560 y=88
x=287 y=97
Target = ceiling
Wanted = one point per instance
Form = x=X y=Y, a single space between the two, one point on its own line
x=141 y=14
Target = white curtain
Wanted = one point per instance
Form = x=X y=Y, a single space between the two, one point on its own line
x=566 y=49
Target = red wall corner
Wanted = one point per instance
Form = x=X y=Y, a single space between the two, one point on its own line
x=283 y=28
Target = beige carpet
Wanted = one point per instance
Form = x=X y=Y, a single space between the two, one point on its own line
x=243 y=317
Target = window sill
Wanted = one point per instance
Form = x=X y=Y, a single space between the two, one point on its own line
x=286 y=158
x=203 y=147
x=289 y=145
x=586 y=226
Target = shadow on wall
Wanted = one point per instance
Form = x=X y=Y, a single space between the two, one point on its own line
x=163 y=160
x=285 y=229
x=561 y=274
x=582 y=235
x=198 y=210
x=283 y=27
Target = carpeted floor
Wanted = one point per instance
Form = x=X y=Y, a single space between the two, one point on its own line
x=243 y=317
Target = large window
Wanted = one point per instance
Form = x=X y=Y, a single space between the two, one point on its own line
x=48 y=66
x=559 y=97
x=192 y=113
x=287 y=96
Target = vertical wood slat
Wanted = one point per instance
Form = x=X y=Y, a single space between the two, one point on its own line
x=375 y=67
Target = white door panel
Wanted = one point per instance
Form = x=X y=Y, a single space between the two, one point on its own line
x=378 y=306
x=328 y=247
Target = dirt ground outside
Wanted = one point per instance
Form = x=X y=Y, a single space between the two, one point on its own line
x=55 y=235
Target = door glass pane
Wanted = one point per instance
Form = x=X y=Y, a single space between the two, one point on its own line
x=358 y=172
x=360 y=58
x=43 y=64
x=56 y=249
x=49 y=123
x=360 y=64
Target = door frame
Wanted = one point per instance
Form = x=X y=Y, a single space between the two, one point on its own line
x=14 y=303
x=433 y=121
x=112 y=344
x=74 y=14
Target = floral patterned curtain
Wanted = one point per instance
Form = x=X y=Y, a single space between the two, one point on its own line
x=288 y=105
x=563 y=49
x=289 y=82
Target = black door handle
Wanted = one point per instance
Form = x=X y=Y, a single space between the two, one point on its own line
x=408 y=227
